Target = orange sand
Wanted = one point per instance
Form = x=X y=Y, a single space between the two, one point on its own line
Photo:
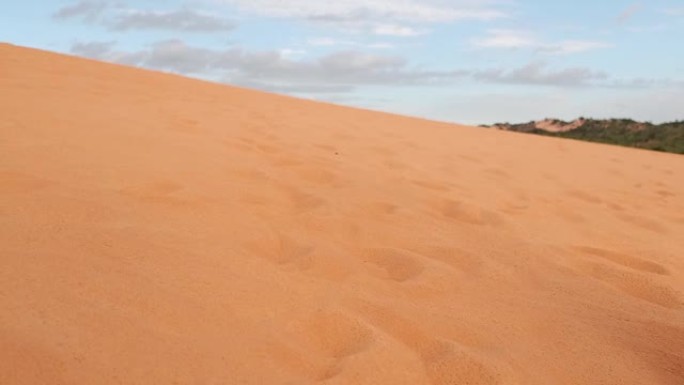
x=161 y=230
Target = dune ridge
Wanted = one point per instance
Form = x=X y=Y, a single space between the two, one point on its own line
x=157 y=229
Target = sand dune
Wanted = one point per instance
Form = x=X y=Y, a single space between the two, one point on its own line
x=161 y=230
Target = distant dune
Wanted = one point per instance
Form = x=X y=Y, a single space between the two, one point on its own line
x=666 y=137
x=161 y=230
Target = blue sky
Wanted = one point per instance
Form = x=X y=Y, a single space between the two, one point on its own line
x=467 y=61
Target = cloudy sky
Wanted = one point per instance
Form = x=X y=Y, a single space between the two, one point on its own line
x=468 y=61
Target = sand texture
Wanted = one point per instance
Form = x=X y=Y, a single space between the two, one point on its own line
x=161 y=230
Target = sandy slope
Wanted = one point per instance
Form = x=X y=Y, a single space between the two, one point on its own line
x=160 y=230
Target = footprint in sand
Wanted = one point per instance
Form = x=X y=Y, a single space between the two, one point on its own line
x=624 y=260
x=160 y=192
x=394 y=164
x=584 y=196
x=470 y=214
x=382 y=208
x=447 y=363
x=303 y=201
x=457 y=259
x=571 y=216
x=643 y=223
x=268 y=149
x=430 y=185
x=300 y=200
x=283 y=250
x=665 y=194
x=615 y=207
x=634 y=284
x=497 y=173
x=337 y=336
x=316 y=175
x=187 y=126
x=394 y=264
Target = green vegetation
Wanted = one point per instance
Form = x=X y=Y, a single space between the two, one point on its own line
x=667 y=137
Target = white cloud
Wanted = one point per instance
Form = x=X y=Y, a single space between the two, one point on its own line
x=177 y=20
x=346 y=69
x=515 y=39
x=114 y=16
x=89 y=10
x=398 y=18
x=273 y=70
x=291 y=52
x=95 y=50
x=396 y=30
x=333 y=42
x=326 y=42
x=405 y=10
x=539 y=74
x=503 y=38
x=380 y=45
x=404 y=18
x=573 y=46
